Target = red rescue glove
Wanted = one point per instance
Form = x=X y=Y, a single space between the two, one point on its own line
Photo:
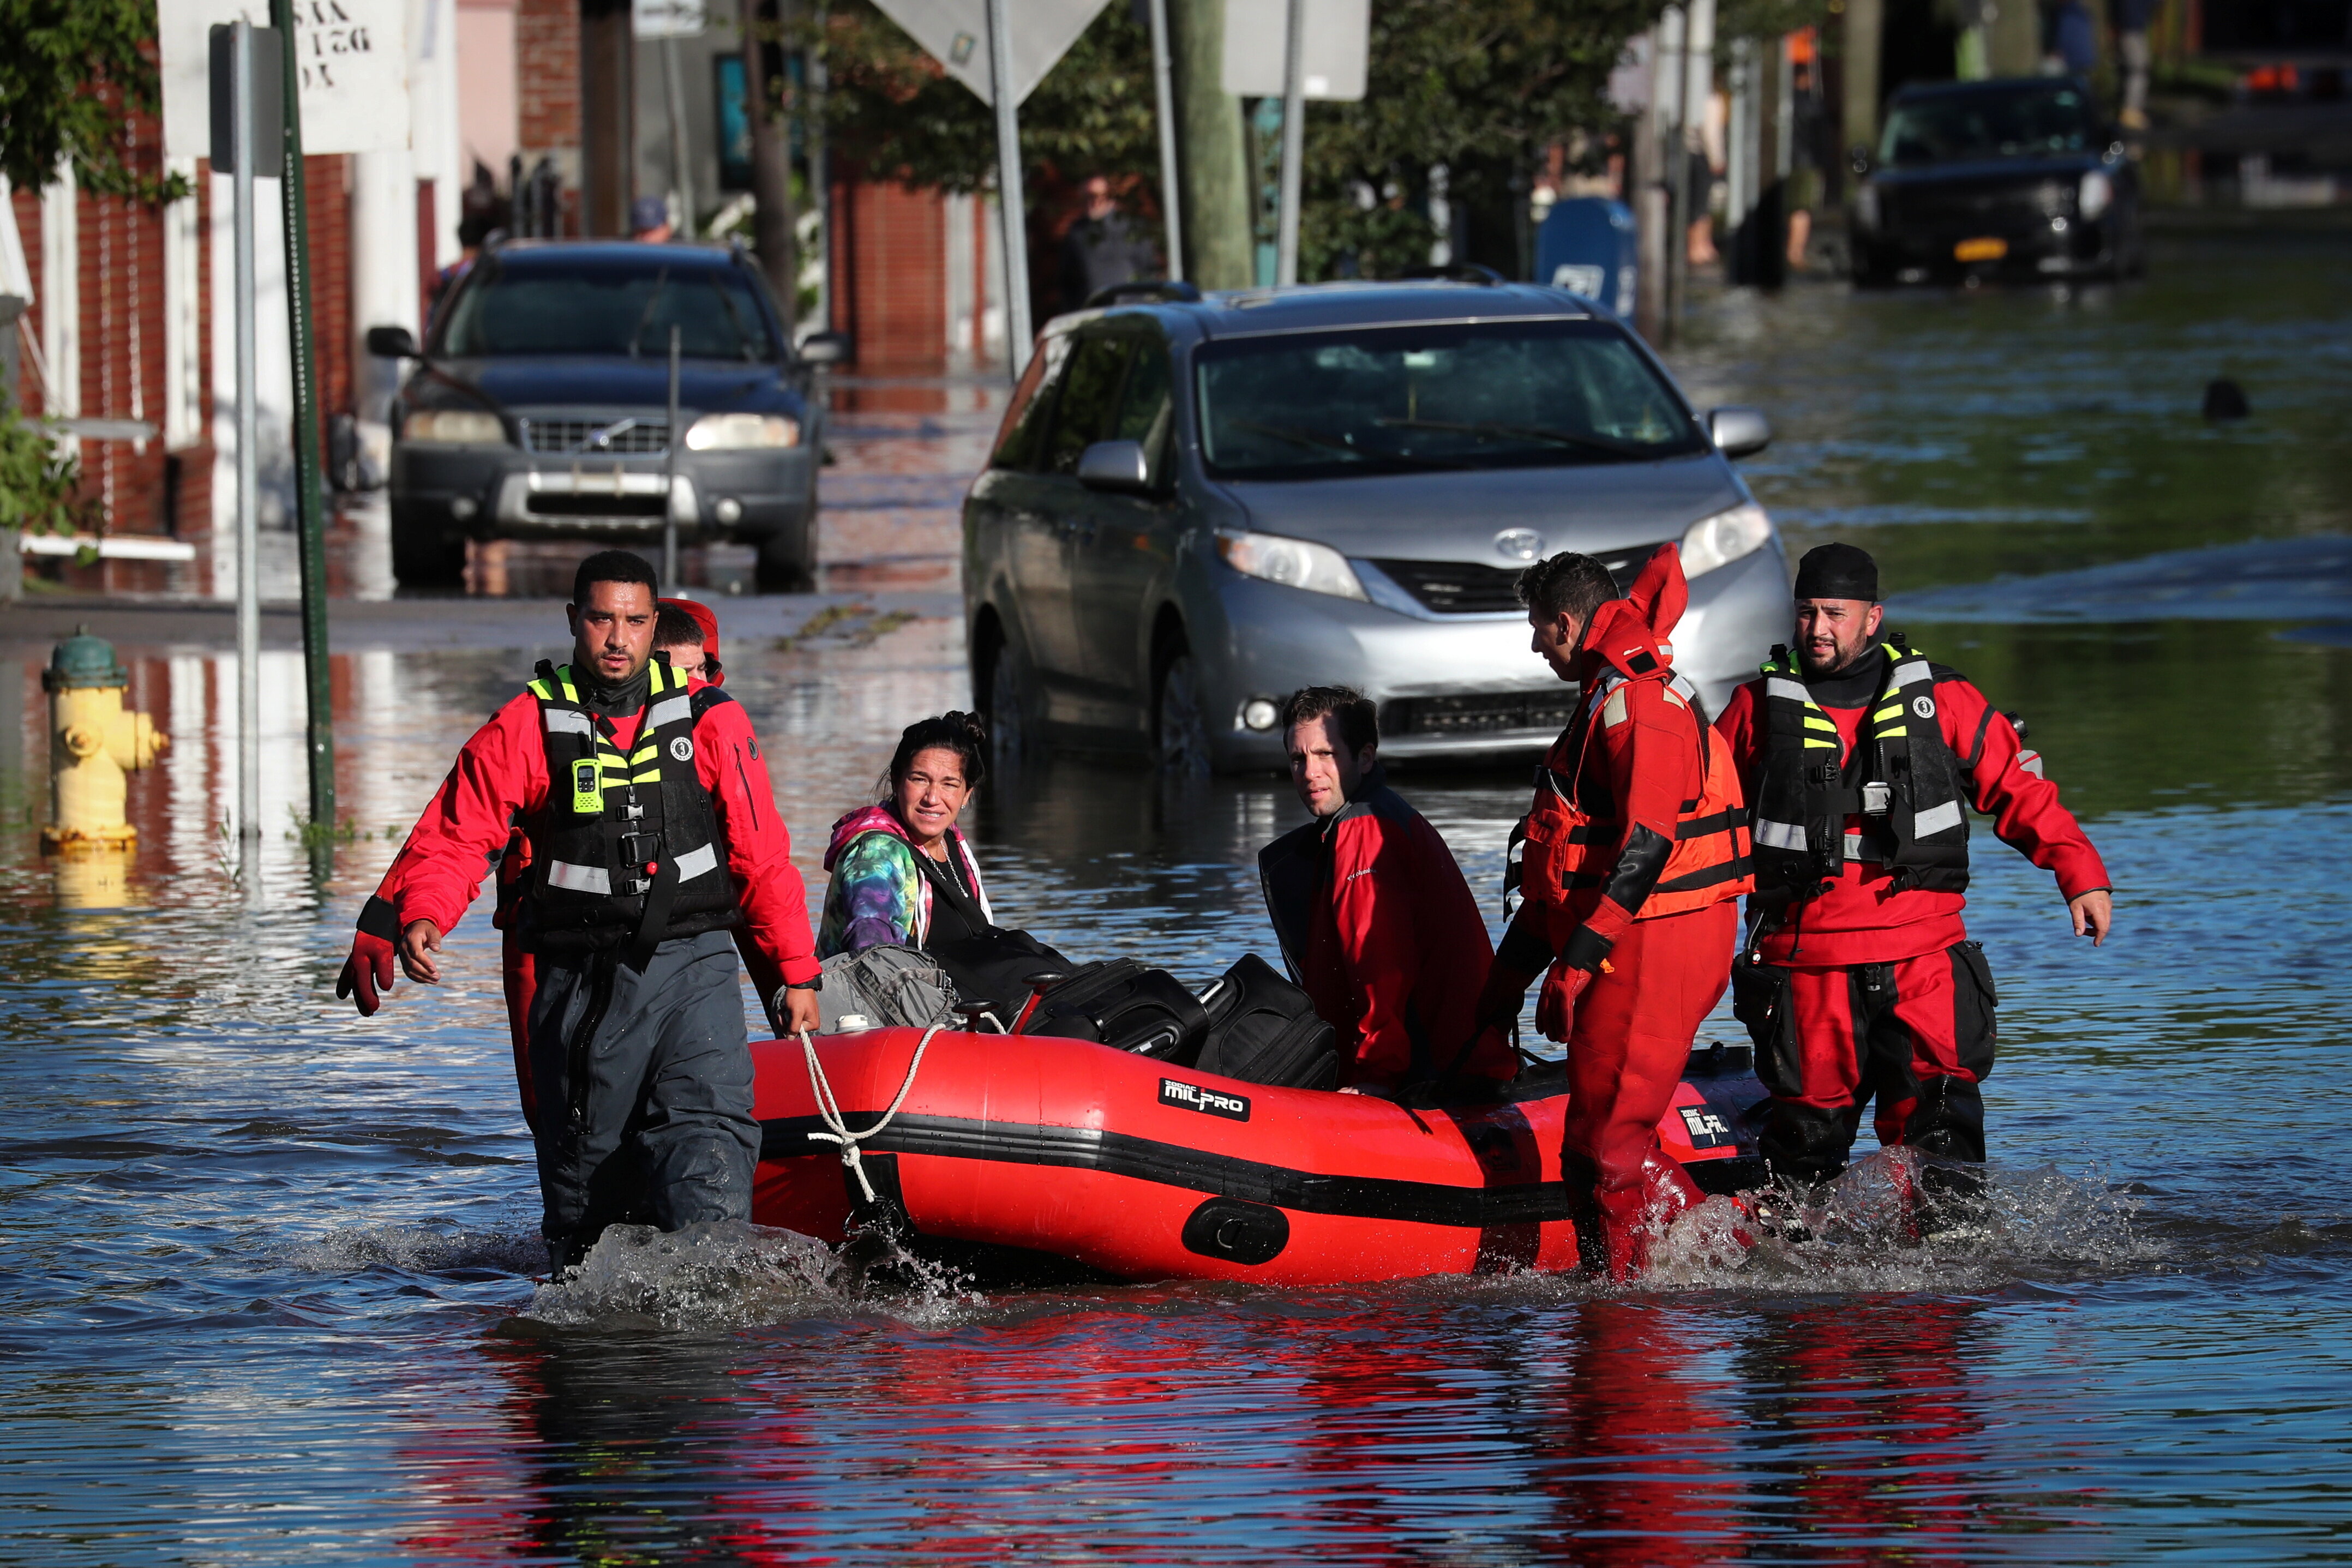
x=1556 y=1007
x=367 y=974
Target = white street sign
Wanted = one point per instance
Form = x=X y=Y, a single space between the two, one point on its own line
x=955 y=33
x=668 y=18
x=353 y=57
x=1338 y=47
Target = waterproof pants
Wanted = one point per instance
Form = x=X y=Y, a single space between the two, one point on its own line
x=1627 y=1047
x=1916 y=1035
x=643 y=1083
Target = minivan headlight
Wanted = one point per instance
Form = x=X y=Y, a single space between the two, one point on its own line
x=455 y=427
x=739 y=431
x=1294 y=563
x=2097 y=190
x=1724 y=537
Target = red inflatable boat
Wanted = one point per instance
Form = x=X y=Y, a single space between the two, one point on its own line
x=1006 y=1150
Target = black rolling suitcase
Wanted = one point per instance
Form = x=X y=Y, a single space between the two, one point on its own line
x=1127 y=1006
x=1263 y=1029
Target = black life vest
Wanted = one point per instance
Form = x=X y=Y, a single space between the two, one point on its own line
x=625 y=849
x=1808 y=786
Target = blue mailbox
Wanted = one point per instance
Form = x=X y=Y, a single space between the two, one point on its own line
x=1586 y=244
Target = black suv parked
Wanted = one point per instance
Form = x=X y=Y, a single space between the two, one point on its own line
x=541 y=409
x=2016 y=179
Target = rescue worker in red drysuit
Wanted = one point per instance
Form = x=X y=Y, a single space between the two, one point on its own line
x=1635 y=851
x=1858 y=981
x=687 y=633
x=653 y=830
x=1375 y=919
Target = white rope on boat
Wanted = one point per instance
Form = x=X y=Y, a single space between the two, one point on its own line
x=828 y=1108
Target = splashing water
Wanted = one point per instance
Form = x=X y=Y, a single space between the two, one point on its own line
x=720 y=1276
x=1891 y=1221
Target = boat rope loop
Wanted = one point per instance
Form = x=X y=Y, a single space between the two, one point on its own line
x=828 y=1108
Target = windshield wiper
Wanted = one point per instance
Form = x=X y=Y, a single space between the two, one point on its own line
x=1489 y=430
x=661 y=281
x=1298 y=437
x=1357 y=453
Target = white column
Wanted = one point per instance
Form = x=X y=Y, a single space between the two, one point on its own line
x=383 y=274
x=61 y=297
x=184 y=376
x=434 y=144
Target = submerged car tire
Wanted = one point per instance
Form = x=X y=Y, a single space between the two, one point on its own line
x=1180 y=728
x=1007 y=695
x=427 y=555
x=785 y=563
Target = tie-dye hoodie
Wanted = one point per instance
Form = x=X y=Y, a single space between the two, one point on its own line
x=878 y=894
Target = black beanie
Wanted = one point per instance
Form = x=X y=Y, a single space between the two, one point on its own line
x=1837 y=572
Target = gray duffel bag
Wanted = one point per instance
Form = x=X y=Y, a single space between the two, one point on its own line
x=887 y=984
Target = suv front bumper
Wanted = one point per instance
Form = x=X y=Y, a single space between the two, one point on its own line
x=502 y=492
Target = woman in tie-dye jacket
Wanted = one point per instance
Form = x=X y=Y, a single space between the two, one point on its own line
x=902 y=873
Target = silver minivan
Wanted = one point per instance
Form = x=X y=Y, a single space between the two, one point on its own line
x=1199 y=503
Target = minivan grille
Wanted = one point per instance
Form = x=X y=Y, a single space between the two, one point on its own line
x=1458 y=588
x=640 y=438
x=1479 y=712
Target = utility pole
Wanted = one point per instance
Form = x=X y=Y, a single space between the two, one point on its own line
x=1213 y=166
x=608 y=116
x=309 y=490
x=1651 y=214
x=248 y=479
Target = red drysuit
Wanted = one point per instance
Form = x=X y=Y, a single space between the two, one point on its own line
x=1631 y=983
x=1384 y=934
x=1871 y=988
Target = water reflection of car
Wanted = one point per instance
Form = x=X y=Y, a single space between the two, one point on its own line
x=541 y=409
x=2018 y=179
x=1198 y=503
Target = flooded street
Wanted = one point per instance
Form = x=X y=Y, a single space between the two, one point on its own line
x=267 y=1290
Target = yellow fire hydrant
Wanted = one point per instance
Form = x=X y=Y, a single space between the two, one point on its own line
x=94 y=745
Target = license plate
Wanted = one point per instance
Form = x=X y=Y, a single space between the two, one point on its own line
x=1981 y=249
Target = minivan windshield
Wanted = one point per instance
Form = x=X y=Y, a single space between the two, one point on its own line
x=2033 y=122
x=1489 y=394
x=606 y=307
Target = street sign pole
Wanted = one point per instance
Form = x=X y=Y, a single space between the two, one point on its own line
x=1163 y=88
x=669 y=476
x=1293 y=143
x=309 y=498
x=249 y=531
x=1008 y=190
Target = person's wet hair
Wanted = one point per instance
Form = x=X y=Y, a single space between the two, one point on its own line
x=1359 y=721
x=674 y=628
x=614 y=566
x=962 y=733
x=1566 y=583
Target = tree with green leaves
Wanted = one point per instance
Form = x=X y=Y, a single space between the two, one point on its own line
x=1481 y=86
x=73 y=74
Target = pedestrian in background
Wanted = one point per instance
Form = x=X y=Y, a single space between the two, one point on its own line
x=1103 y=247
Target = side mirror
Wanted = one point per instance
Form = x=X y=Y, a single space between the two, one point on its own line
x=824 y=349
x=392 y=343
x=1740 y=431
x=1857 y=157
x=1115 y=465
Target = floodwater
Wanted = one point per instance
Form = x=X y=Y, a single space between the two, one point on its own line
x=266 y=1290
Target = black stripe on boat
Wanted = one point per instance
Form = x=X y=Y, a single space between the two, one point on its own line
x=1225 y=1175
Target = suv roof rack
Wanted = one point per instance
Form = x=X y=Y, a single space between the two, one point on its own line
x=1157 y=290
x=1459 y=272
